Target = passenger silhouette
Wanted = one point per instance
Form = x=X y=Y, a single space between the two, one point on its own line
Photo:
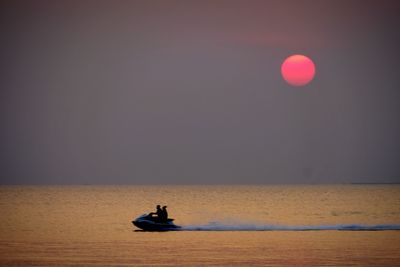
x=164 y=214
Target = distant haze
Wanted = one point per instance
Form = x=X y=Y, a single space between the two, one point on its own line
x=190 y=92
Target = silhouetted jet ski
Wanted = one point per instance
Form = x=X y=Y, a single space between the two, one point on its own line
x=150 y=223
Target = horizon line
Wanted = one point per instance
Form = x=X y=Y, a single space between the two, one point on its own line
x=205 y=184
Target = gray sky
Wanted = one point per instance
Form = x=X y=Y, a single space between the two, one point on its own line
x=190 y=92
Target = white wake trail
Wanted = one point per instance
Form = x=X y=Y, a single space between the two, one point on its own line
x=216 y=226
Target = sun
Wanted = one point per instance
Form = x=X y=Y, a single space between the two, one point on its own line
x=298 y=70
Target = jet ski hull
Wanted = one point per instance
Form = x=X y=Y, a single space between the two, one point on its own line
x=149 y=223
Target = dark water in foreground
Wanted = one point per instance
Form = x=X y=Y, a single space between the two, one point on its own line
x=224 y=225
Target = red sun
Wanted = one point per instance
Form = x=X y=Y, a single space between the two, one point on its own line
x=298 y=70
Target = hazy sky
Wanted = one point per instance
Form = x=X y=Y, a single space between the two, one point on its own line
x=191 y=92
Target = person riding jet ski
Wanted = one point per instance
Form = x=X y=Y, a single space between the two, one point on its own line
x=159 y=212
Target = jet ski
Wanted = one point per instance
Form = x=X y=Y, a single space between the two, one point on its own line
x=147 y=222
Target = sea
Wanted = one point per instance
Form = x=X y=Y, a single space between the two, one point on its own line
x=246 y=225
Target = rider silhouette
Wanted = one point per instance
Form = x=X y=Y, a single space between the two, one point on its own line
x=162 y=214
x=159 y=212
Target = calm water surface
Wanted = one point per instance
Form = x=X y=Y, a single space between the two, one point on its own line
x=91 y=226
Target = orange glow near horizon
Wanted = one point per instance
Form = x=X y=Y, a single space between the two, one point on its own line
x=298 y=70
